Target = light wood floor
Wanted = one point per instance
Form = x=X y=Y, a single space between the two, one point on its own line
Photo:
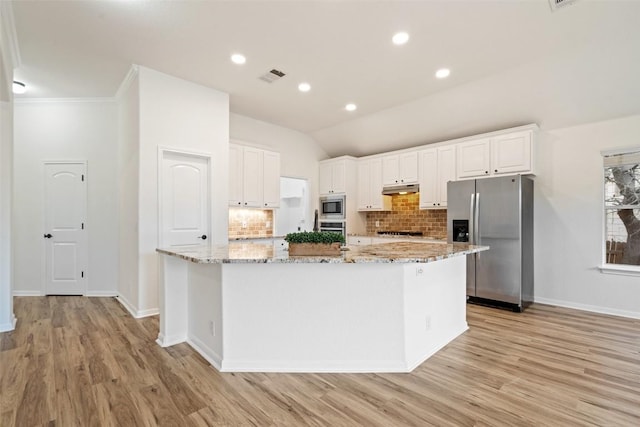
x=76 y=361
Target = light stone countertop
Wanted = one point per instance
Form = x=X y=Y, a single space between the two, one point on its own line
x=400 y=252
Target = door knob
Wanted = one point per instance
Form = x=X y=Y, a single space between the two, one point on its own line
x=203 y=237
x=48 y=236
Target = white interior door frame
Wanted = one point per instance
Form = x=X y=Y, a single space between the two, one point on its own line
x=162 y=152
x=84 y=257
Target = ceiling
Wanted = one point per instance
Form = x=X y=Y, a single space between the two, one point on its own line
x=511 y=63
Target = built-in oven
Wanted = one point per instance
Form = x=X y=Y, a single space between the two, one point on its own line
x=334 y=226
x=332 y=207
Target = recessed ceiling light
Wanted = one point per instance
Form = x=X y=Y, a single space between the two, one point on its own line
x=304 y=87
x=19 y=87
x=400 y=38
x=238 y=58
x=442 y=73
x=350 y=107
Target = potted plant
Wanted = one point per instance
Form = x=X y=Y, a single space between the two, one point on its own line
x=314 y=243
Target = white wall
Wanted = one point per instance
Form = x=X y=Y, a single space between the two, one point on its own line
x=569 y=219
x=65 y=130
x=128 y=182
x=6 y=177
x=299 y=153
x=177 y=114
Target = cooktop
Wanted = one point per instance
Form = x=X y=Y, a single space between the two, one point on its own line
x=400 y=233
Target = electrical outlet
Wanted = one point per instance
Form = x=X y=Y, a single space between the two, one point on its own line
x=244 y=224
x=427 y=323
x=268 y=224
x=419 y=271
x=377 y=224
x=212 y=328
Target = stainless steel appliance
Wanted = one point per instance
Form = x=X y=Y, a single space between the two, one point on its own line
x=400 y=233
x=334 y=226
x=333 y=207
x=496 y=212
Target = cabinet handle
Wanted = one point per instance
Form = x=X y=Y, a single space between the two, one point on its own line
x=265 y=204
x=239 y=203
x=496 y=170
x=486 y=171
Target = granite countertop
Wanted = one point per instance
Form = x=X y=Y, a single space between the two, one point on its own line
x=400 y=252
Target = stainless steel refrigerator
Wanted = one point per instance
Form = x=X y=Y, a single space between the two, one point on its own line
x=496 y=212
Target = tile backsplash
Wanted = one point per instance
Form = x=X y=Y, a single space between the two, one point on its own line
x=405 y=216
x=247 y=223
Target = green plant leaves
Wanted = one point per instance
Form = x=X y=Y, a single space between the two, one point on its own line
x=314 y=237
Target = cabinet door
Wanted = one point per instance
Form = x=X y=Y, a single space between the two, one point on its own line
x=271 y=173
x=408 y=168
x=252 y=188
x=338 y=175
x=474 y=158
x=511 y=153
x=376 y=199
x=324 y=183
x=391 y=170
x=446 y=172
x=235 y=175
x=429 y=179
x=363 y=185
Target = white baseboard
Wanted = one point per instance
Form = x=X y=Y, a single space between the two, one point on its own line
x=138 y=314
x=102 y=294
x=6 y=327
x=586 y=307
x=210 y=356
x=319 y=366
x=28 y=293
x=420 y=361
x=165 y=341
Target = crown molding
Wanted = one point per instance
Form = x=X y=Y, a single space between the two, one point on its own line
x=10 y=34
x=128 y=79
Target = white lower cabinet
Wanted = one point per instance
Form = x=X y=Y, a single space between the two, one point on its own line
x=358 y=240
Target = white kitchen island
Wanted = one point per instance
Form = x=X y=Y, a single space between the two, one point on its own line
x=252 y=307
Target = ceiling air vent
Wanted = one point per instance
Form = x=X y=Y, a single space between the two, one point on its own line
x=557 y=4
x=272 y=76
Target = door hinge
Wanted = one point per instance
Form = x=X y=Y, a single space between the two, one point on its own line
x=82 y=177
x=82 y=274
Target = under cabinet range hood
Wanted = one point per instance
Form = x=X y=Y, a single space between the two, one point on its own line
x=400 y=189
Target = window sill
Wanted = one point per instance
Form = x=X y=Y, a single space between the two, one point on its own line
x=625 y=270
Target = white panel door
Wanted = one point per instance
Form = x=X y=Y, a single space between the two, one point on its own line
x=64 y=228
x=184 y=200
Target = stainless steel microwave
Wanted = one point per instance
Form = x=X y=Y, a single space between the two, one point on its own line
x=332 y=207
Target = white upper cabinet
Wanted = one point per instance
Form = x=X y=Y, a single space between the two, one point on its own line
x=235 y=175
x=332 y=177
x=252 y=189
x=400 y=168
x=437 y=167
x=502 y=154
x=474 y=158
x=271 y=173
x=370 y=185
x=254 y=177
x=511 y=153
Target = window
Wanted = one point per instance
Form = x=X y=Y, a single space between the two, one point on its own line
x=622 y=208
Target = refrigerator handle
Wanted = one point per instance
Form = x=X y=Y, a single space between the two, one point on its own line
x=472 y=228
x=476 y=221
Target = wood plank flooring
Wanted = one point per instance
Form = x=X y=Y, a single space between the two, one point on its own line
x=75 y=361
